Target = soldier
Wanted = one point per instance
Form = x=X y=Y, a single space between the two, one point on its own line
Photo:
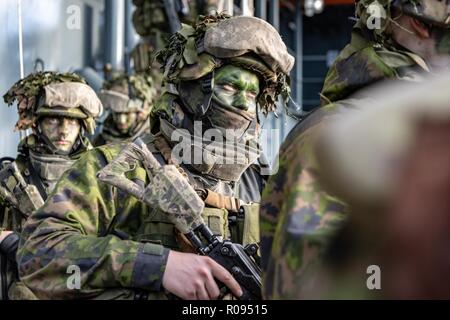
x=411 y=38
x=398 y=214
x=129 y=99
x=152 y=17
x=217 y=80
x=60 y=109
x=152 y=22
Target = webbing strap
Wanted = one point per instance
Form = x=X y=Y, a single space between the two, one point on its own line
x=216 y=200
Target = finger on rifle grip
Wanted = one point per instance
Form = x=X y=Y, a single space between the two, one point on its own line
x=222 y=274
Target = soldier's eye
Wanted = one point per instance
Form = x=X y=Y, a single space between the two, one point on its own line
x=252 y=95
x=52 y=120
x=229 y=88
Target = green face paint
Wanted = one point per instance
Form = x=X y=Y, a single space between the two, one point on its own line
x=61 y=131
x=233 y=106
x=235 y=87
x=124 y=121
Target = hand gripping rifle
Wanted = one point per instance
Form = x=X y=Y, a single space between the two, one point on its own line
x=171 y=192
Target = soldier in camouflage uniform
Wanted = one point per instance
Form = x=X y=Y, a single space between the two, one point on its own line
x=60 y=109
x=219 y=74
x=299 y=217
x=151 y=23
x=396 y=189
x=128 y=99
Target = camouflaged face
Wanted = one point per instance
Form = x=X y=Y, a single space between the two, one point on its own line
x=197 y=51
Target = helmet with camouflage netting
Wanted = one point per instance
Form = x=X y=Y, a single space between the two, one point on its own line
x=195 y=52
x=129 y=93
x=54 y=94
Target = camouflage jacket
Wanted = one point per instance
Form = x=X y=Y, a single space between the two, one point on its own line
x=39 y=178
x=119 y=244
x=298 y=216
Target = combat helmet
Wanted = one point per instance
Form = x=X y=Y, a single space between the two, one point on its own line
x=195 y=52
x=129 y=93
x=54 y=94
x=190 y=62
x=434 y=13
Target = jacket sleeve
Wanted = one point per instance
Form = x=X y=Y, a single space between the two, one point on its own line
x=65 y=251
x=297 y=219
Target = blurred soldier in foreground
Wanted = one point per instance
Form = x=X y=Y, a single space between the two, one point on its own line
x=217 y=81
x=299 y=217
x=60 y=109
x=397 y=190
x=128 y=99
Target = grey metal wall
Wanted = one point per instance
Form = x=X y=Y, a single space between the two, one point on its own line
x=50 y=33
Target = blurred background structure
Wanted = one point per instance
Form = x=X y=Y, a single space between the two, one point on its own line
x=85 y=35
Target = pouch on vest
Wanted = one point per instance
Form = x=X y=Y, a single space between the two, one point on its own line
x=217 y=221
x=157 y=228
x=251 y=233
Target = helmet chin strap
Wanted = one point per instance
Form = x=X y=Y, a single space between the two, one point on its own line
x=208 y=90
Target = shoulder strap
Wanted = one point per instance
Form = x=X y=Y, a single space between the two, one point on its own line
x=37 y=181
x=220 y=201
